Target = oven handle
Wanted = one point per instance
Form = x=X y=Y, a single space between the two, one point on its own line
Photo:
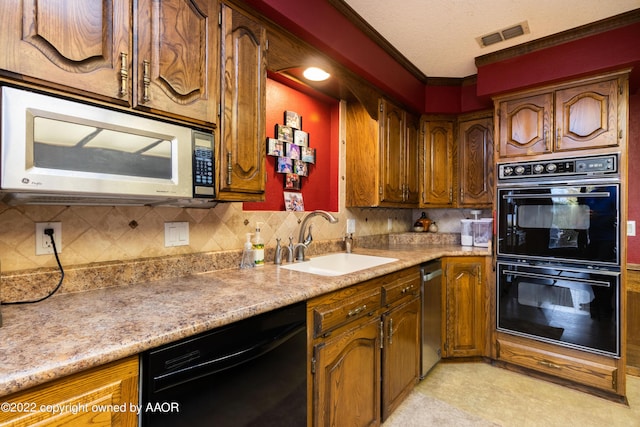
x=556 y=278
x=602 y=194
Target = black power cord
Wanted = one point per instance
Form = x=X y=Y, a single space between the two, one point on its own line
x=48 y=232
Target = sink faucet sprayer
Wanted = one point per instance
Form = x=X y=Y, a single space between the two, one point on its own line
x=304 y=237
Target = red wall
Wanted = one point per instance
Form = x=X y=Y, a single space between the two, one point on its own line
x=322 y=26
x=633 y=243
x=320 y=120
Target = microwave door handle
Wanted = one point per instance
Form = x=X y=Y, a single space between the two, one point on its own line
x=599 y=194
x=557 y=277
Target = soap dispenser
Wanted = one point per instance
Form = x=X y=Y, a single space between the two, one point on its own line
x=247 y=254
x=258 y=247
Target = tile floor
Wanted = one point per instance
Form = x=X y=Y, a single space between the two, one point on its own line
x=490 y=395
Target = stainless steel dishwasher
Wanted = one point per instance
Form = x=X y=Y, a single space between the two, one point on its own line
x=248 y=373
x=431 y=294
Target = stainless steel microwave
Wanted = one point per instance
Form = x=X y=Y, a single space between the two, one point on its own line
x=57 y=151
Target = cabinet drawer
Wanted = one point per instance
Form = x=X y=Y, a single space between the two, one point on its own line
x=345 y=306
x=407 y=285
x=587 y=372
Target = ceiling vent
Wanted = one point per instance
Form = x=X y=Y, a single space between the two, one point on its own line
x=504 y=34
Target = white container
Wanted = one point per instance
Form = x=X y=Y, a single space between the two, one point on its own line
x=482 y=232
x=466 y=232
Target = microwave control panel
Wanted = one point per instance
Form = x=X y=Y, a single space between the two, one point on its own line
x=202 y=164
x=581 y=166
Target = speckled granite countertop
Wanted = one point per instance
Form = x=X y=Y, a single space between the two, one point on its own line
x=76 y=331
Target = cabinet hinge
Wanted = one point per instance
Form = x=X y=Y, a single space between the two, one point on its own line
x=313 y=365
x=220 y=19
x=380 y=190
x=219 y=109
x=381 y=334
x=381 y=108
x=620 y=90
x=266 y=44
x=620 y=134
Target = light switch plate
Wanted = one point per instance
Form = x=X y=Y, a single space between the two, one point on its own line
x=176 y=234
x=631 y=228
x=351 y=225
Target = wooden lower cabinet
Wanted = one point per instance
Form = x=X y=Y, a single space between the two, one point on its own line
x=400 y=354
x=591 y=370
x=465 y=300
x=364 y=349
x=99 y=397
x=346 y=385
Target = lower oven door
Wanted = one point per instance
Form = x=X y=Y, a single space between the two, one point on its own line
x=565 y=305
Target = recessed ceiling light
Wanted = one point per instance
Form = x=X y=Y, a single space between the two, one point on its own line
x=315 y=74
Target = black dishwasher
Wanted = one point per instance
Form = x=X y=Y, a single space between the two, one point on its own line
x=249 y=373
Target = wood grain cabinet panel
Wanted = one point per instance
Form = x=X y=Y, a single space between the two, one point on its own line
x=74 y=44
x=91 y=398
x=587 y=114
x=475 y=160
x=364 y=349
x=464 y=302
x=437 y=153
x=241 y=156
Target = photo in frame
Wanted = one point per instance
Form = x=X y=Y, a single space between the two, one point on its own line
x=292 y=151
x=301 y=138
x=292 y=181
x=275 y=147
x=308 y=154
x=300 y=168
x=284 y=133
x=293 y=202
x=292 y=119
x=285 y=165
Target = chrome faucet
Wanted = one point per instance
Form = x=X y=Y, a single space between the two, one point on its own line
x=304 y=237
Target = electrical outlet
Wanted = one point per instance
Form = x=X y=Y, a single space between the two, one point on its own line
x=43 y=241
x=389 y=224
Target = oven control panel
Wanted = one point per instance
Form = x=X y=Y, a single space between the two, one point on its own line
x=579 y=166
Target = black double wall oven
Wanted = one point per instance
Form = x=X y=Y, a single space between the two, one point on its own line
x=558 y=257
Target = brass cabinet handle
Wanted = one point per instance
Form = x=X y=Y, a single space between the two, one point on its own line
x=407 y=289
x=229 y=168
x=124 y=74
x=357 y=310
x=146 y=80
x=549 y=364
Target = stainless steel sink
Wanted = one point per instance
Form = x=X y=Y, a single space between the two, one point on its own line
x=338 y=264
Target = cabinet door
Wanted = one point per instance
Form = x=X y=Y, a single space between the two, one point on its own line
x=525 y=126
x=437 y=185
x=464 y=322
x=241 y=170
x=111 y=386
x=475 y=150
x=401 y=354
x=587 y=116
x=176 y=58
x=412 y=161
x=77 y=44
x=392 y=147
x=346 y=384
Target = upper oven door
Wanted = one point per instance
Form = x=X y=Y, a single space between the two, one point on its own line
x=560 y=222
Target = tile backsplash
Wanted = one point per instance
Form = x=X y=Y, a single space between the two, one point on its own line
x=122 y=233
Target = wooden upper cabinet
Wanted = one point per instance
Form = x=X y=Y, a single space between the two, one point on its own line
x=475 y=152
x=587 y=116
x=76 y=44
x=243 y=72
x=525 y=125
x=176 y=60
x=583 y=115
x=437 y=152
x=382 y=156
x=392 y=147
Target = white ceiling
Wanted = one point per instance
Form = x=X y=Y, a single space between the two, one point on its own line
x=439 y=36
